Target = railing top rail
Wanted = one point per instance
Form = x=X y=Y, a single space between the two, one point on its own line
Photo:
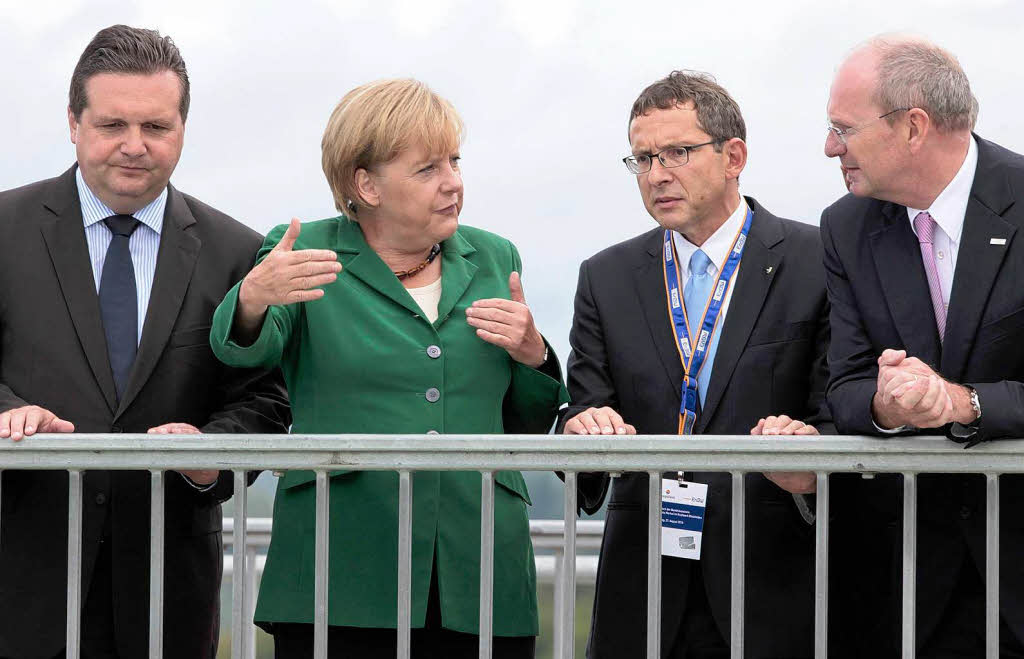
x=500 y=452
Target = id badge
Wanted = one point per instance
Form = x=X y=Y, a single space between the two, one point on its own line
x=682 y=518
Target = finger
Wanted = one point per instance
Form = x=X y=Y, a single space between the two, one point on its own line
x=898 y=386
x=499 y=340
x=630 y=429
x=57 y=424
x=491 y=326
x=303 y=296
x=498 y=303
x=587 y=419
x=515 y=288
x=933 y=399
x=496 y=314
x=574 y=427
x=35 y=418
x=306 y=283
x=605 y=420
x=17 y=424
x=312 y=256
x=302 y=269
x=806 y=430
x=618 y=423
x=756 y=430
x=791 y=427
x=770 y=425
x=909 y=399
x=890 y=357
x=5 y=424
x=290 y=236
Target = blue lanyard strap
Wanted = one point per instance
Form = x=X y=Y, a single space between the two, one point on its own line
x=692 y=355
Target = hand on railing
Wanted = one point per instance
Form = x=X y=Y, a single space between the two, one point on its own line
x=598 y=421
x=199 y=477
x=30 y=419
x=795 y=482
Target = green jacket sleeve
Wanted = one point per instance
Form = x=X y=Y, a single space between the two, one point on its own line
x=279 y=323
x=535 y=394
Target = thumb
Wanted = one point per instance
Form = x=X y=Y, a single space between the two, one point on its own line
x=515 y=288
x=890 y=357
x=290 y=236
x=58 y=424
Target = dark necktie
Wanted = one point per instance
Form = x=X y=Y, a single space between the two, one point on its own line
x=119 y=306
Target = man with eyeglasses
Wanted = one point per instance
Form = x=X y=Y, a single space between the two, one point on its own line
x=715 y=322
x=924 y=278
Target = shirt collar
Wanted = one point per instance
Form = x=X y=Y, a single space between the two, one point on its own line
x=717 y=247
x=950 y=207
x=94 y=210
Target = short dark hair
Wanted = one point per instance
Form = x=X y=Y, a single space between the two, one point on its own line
x=125 y=49
x=718 y=115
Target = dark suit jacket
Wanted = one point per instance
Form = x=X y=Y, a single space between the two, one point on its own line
x=53 y=354
x=880 y=299
x=770 y=360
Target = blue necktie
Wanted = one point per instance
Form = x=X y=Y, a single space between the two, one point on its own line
x=119 y=306
x=695 y=297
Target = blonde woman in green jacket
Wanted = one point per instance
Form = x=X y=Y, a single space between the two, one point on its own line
x=391 y=318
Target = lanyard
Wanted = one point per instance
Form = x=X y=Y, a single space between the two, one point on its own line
x=693 y=356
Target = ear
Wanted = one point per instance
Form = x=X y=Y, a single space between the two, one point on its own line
x=73 y=126
x=735 y=153
x=366 y=188
x=919 y=125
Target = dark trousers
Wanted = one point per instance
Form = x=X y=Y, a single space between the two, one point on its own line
x=295 y=641
x=698 y=637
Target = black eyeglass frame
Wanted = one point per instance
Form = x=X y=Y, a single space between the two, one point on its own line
x=635 y=168
x=842 y=134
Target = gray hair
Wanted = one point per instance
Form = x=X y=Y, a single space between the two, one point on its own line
x=913 y=73
x=124 y=49
x=718 y=115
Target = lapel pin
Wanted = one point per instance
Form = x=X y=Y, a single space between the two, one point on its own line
x=768 y=270
x=997 y=241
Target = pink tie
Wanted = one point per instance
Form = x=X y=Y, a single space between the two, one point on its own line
x=924 y=224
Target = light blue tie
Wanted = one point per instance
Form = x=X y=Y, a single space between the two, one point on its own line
x=695 y=297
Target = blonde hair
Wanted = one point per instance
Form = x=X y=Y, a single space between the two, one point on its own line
x=374 y=122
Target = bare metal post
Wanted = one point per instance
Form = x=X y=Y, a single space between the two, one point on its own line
x=821 y=568
x=250 y=602
x=404 y=563
x=486 y=563
x=323 y=503
x=156 y=564
x=238 y=568
x=739 y=510
x=74 y=564
x=568 y=621
x=992 y=567
x=556 y=627
x=654 y=565
x=909 y=562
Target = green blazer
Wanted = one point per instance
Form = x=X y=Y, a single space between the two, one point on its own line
x=361 y=360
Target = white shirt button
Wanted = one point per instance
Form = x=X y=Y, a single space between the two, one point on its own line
x=941 y=254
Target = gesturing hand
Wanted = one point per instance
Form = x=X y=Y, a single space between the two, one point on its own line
x=198 y=476
x=909 y=393
x=509 y=324
x=30 y=419
x=287 y=276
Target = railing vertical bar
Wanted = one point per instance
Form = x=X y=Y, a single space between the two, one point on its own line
x=568 y=621
x=739 y=509
x=909 y=562
x=239 y=575
x=156 y=564
x=250 y=602
x=821 y=568
x=404 y=564
x=654 y=565
x=486 y=563
x=323 y=503
x=992 y=567
x=74 y=616
x=556 y=626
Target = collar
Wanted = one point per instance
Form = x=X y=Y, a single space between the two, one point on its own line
x=94 y=210
x=950 y=207
x=718 y=245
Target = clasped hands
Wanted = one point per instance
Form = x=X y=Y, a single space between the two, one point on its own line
x=606 y=421
x=909 y=393
x=28 y=420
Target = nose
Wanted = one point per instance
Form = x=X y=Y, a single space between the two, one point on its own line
x=452 y=179
x=133 y=144
x=659 y=173
x=833 y=145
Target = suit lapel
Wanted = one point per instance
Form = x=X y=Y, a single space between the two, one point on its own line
x=897 y=256
x=757 y=270
x=650 y=287
x=978 y=262
x=64 y=235
x=176 y=259
x=366 y=266
x=456 y=274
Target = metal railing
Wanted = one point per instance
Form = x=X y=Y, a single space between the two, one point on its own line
x=487 y=454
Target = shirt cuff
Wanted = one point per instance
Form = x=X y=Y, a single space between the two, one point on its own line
x=804 y=507
x=197 y=486
x=889 y=431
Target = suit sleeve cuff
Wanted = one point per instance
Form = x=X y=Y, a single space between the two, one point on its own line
x=197 y=486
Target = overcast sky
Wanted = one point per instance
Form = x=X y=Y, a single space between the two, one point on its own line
x=544 y=87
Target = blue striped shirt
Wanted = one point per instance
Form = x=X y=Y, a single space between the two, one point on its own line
x=144 y=243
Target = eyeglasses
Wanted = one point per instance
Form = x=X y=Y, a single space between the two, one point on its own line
x=673 y=156
x=843 y=134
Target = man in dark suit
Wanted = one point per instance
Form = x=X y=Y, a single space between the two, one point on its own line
x=107 y=291
x=764 y=372
x=924 y=278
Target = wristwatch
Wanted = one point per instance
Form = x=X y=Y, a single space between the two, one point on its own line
x=975 y=405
